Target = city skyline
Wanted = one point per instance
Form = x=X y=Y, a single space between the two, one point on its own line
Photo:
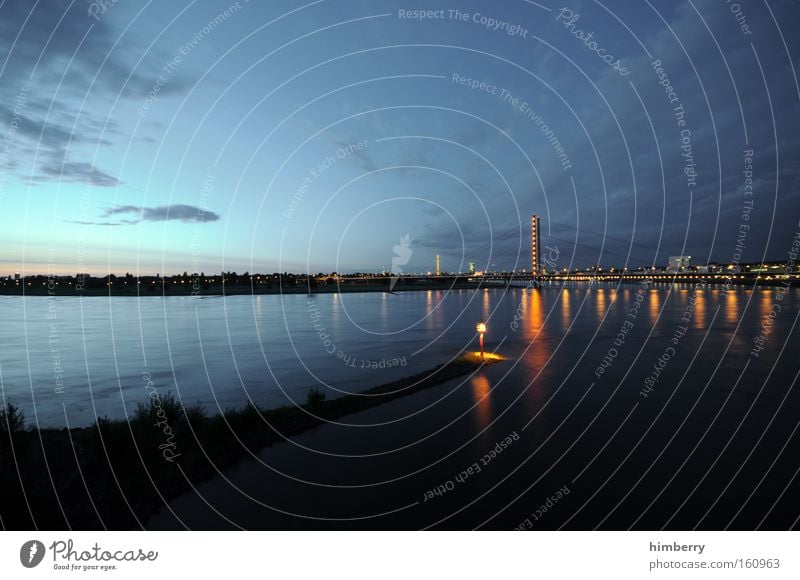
x=785 y=265
x=168 y=143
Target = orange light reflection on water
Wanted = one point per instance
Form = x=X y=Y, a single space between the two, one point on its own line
x=732 y=307
x=700 y=316
x=600 y=304
x=654 y=302
x=539 y=352
x=765 y=303
x=565 y=311
x=481 y=395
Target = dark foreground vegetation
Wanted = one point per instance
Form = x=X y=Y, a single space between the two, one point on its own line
x=115 y=474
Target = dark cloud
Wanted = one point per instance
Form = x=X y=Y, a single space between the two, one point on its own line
x=76 y=173
x=71 y=67
x=52 y=42
x=631 y=196
x=177 y=212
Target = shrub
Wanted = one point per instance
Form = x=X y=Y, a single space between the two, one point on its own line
x=315 y=397
x=12 y=420
x=195 y=415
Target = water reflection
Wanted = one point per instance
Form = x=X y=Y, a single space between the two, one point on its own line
x=654 y=302
x=384 y=320
x=565 y=311
x=336 y=310
x=533 y=312
x=430 y=323
x=237 y=335
x=481 y=397
x=600 y=307
x=700 y=310
x=732 y=307
x=765 y=303
x=435 y=308
x=540 y=347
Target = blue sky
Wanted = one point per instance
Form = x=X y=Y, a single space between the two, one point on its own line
x=313 y=136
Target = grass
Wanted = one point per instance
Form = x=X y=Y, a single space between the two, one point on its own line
x=116 y=473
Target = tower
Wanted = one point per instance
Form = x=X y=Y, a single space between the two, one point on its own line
x=535 y=245
x=438 y=272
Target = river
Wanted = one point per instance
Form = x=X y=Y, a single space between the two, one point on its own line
x=639 y=405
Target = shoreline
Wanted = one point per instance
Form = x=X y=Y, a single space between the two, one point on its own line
x=117 y=473
x=245 y=290
x=240 y=290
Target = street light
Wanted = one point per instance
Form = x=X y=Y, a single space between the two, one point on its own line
x=481 y=328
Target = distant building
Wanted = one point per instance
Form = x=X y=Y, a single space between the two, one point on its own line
x=472 y=267
x=16 y=276
x=678 y=263
x=535 y=252
x=438 y=271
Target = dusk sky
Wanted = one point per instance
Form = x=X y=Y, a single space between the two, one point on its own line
x=283 y=136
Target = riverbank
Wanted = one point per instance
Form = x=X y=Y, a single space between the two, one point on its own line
x=227 y=290
x=115 y=474
x=44 y=288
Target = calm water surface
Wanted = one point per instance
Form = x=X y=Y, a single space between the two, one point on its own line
x=705 y=437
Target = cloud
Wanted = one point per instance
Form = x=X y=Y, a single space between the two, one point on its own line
x=71 y=68
x=90 y=223
x=175 y=212
x=648 y=214
x=76 y=172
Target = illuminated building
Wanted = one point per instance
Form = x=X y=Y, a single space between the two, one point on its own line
x=438 y=271
x=535 y=254
x=678 y=263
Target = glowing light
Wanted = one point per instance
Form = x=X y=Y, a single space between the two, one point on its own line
x=481 y=328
